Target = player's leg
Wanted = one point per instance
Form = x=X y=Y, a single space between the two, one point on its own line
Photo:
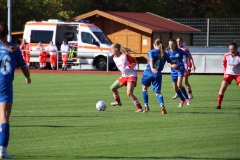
x=5 y=111
x=114 y=88
x=180 y=86
x=6 y=99
x=130 y=89
x=221 y=92
x=227 y=80
x=187 y=84
x=146 y=82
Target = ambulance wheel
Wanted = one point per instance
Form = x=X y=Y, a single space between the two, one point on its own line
x=101 y=64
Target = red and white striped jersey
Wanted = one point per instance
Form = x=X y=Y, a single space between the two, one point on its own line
x=186 y=62
x=125 y=63
x=231 y=65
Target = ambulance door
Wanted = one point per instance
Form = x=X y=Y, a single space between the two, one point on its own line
x=87 y=47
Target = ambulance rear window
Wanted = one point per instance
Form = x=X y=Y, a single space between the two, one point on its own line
x=41 y=36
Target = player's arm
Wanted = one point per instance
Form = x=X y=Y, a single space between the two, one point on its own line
x=190 y=59
x=170 y=63
x=26 y=73
x=131 y=60
x=151 y=61
x=224 y=64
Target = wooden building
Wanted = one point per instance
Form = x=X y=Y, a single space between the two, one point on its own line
x=138 y=30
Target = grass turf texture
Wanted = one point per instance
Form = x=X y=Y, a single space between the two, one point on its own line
x=55 y=118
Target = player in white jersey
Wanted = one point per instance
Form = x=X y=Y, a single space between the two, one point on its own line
x=231 y=70
x=125 y=63
x=188 y=65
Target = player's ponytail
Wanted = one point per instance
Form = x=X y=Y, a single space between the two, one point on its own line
x=3 y=34
x=158 y=42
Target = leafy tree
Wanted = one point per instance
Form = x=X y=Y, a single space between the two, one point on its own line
x=27 y=10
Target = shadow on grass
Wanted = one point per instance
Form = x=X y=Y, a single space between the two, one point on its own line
x=70 y=116
x=52 y=126
x=121 y=157
x=211 y=113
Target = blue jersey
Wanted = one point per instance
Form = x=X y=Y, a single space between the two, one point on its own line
x=158 y=62
x=154 y=78
x=8 y=62
x=177 y=58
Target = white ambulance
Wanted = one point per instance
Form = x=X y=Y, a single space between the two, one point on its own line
x=91 y=46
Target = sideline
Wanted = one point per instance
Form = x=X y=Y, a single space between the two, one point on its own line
x=18 y=70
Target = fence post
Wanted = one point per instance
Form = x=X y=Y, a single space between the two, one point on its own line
x=57 y=60
x=208 y=25
x=107 y=60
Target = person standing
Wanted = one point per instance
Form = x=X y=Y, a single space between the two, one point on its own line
x=65 y=51
x=231 y=69
x=177 y=74
x=153 y=75
x=52 y=49
x=25 y=48
x=10 y=56
x=42 y=56
x=125 y=63
x=187 y=71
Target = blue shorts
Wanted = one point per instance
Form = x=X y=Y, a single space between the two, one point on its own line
x=6 y=93
x=175 y=74
x=154 y=79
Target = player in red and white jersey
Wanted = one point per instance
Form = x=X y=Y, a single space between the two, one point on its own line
x=231 y=70
x=125 y=63
x=188 y=67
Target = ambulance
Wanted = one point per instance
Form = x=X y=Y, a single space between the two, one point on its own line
x=88 y=44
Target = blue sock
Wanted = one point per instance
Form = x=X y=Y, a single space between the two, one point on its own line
x=179 y=93
x=160 y=99
x=4 y=134
x=145 y=97
x=183 y=90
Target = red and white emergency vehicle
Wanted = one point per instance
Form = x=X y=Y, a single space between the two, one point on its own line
x=89 y=42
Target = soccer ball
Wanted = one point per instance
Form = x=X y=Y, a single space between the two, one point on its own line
x=101 y=106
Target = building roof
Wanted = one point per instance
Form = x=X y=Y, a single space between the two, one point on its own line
x=144 y=21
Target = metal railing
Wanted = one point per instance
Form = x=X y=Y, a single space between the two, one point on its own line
x=214 y=31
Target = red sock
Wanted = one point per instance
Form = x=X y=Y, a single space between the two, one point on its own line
x=189 y=89
x=220 y=98
x=137 y=104
x=117 y=98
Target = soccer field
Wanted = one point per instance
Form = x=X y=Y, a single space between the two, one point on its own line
x=55 y=118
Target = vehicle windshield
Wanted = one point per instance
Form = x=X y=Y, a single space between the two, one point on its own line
x=102 y=38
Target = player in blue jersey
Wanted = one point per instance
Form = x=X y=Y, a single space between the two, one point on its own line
x=153 y=75
x=176 y=55
x=10 y=56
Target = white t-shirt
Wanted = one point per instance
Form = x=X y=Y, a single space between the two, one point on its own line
x=231 y=65
x=64 y=49
x=52 y=49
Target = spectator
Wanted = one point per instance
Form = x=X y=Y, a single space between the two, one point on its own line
x=52 y=49
x=65 y=52
x=25 y=48
x=42 y=56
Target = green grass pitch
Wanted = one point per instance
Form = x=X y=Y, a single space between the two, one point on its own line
x=55 y=118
